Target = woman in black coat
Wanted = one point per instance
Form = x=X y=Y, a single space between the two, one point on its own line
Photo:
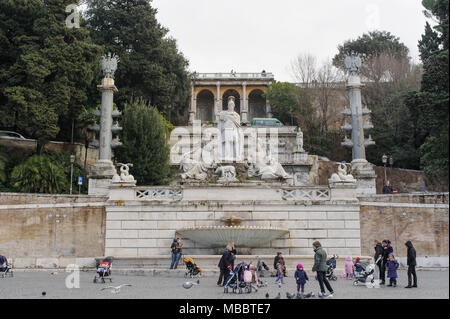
x=411 y=262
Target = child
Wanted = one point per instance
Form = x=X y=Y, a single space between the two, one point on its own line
x=280 y=271
x=392 y=266
x=301 y=277
x=349 y=267
x=358 y=268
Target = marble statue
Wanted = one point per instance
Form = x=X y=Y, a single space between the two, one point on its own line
x=109 y=65
x=125 y=176
x=342 y=174
x=230 y=133
x=192 y=166
x=352 y=64
x=300 y=141
x=266 y=166
x=228 y=173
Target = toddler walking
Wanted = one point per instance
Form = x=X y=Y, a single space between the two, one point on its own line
x=301 y=277
x=349 y=267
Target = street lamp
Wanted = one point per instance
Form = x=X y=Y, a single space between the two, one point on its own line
x=72 y=160
x=391 y=162
x=384 y=159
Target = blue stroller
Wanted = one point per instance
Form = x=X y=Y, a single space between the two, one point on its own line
x=235 y=280
x=5 y=268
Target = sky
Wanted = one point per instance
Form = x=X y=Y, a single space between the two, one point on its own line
x=255 y=35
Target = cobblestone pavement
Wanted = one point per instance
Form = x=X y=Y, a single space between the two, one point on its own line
x=433 y=284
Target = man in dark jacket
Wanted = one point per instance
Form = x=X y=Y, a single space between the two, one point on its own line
x=411 y=262
x=378 y=254
x=387 y=249
x=320 y=266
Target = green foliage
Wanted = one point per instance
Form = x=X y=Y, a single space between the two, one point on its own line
x=150 y=64
x=45 y=69
x=429 y=105
x=38 y=175
x=144 y=143
x=62 y=159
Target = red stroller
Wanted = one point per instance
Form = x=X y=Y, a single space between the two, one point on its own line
x=104 y=270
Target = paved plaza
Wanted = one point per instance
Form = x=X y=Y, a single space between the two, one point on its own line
x=433 y=284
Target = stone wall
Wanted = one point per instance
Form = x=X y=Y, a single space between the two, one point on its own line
x=421 y=218
x=48 y=230
x=405 y=180
x=145 y=228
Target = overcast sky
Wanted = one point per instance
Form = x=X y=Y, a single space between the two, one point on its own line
x=252 y=35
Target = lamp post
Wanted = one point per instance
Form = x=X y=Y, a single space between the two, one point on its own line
x=384 y=159
x=391 y=162
x=72 y=160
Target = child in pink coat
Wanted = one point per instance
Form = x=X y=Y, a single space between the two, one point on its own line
x=349 y=267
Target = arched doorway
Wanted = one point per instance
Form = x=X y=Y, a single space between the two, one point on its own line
x=256 y=104
x=205 y=106
x=237 y=100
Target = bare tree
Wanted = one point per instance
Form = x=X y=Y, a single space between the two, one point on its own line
x=304 y=69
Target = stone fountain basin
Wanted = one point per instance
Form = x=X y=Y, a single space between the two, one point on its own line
x=242 y=236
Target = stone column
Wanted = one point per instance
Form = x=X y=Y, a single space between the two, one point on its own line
x=244 y=104
x=193 y=109
x=268 y=109
x=103 y=170
x=362 y=170
x=218 y=103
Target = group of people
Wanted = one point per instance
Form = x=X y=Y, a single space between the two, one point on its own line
x=384 y=254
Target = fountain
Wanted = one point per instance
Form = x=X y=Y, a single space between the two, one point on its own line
x=232 y=231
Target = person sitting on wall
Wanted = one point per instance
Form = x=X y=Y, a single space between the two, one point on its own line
x=387 y=189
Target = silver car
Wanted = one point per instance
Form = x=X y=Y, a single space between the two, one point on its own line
x=11 y=135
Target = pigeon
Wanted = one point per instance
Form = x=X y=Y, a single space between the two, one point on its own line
x=300 y=296
x=278 y=296
x=279 y=285
x=267 y=295
x=188 y=284
x=116 y=290
x=290 y=296
x=44 y=293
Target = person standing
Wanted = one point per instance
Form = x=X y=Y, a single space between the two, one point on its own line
x=223 y=266
x=378 y=254
x=300 y=277
x=320 y=266
x=387 y=249
x=392 y=266
x=411 y=262
x=177 y=248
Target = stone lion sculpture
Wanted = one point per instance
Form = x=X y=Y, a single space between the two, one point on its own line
x=342 y=174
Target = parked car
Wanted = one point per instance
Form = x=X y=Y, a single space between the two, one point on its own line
x=272 y=122
x=11 y=135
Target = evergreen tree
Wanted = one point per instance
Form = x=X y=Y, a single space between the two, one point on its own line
x=430 y=104
x=144 y=143
x=45 y=69
x=150 y=64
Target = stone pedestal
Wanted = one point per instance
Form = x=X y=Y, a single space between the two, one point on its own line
x=343 y=191
x=364 y=173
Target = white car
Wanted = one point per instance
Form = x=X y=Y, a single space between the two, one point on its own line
x=11 y=135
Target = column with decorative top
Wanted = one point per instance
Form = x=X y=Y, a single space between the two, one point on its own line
x=103 y=170
x=361 y=169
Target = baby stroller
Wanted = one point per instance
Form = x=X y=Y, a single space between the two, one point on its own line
x=5 y=268
x=367 y=273
x=331 y=263
x=192 y=269
x=235 y=280
x=104 y=270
